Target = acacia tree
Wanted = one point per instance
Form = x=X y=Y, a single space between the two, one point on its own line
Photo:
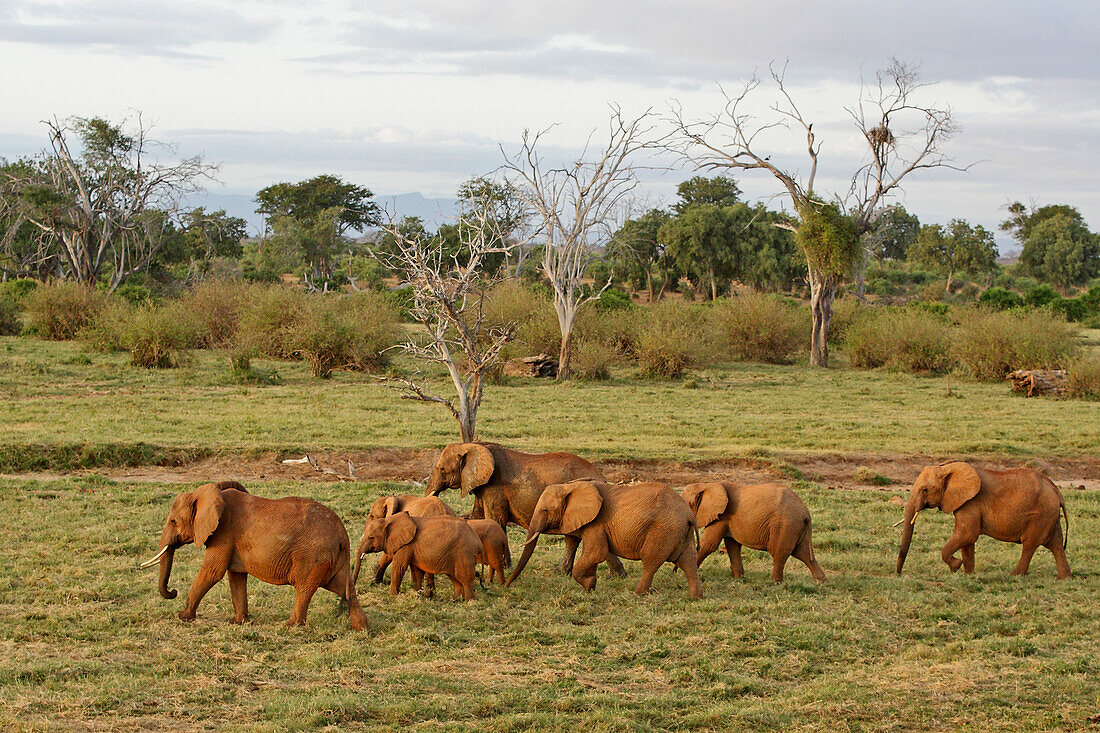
x=959 y=248
x=106 y=204
x=509 y=213
x=636 y=250
x=448 y=296
x=901 y=136
x=578 y=204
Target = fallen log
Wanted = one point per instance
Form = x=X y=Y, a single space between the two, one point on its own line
x=1039 y=381
x=542 y=365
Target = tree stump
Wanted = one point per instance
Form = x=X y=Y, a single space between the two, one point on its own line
x=1039 y=381
x=542 y=365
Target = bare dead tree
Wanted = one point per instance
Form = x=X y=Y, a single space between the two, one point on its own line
x=578 y=205
x=112 y=203
x=902 y=136
x=448 y=301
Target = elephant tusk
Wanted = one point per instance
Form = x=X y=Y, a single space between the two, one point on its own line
x=533 y=539
x=153 y=560
x=914 y=519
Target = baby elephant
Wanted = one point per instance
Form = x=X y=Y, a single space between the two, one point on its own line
x=761 y=516
x=385 y=506
x=647 y=522
x=494 y=544
x=1018 y=505
x=426 y=545
x=291 y=541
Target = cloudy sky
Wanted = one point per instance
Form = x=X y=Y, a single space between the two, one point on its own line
x=417 y=96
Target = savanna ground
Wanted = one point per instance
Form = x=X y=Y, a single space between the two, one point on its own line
x=93 y=450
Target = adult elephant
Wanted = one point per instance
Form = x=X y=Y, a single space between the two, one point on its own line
x=507 y=484
x=1019 y=505
x=290 y=541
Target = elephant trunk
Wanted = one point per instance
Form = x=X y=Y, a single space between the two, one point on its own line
x=914 y=505
x=359 y=560
x=165 y=573
x=435 y=483
x=533 y=533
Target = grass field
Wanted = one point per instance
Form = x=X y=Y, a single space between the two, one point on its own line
x=53 y=394
x=87 y=642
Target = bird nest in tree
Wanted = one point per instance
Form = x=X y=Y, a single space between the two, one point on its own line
x=881 y=136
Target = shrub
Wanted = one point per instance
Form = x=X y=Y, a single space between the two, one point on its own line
x=269 y=320
x=845 y=312
x=134 y=293
x=907 y=339
x=216 y=306
x=612 y=299
x=992 y=343
x=16 y=291
x=537 y=331
x=1040 y=295
x=881 y=286
x=345 y=332
x=1000 y=298
x=616 y=330
x=758 y=327
x=670 y=339
x=108 y=331
x=592 y=360
x=10 y=322
x=871 y=477
x=1084 y=378
x=158 y=337
x=60 y=310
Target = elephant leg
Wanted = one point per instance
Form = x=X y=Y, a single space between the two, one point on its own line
x=804 y=552
x=417 y=578
x=778 y=562
x=967 y=552
x=238 y=589
x=649 y=569
x=209 y=575
x=687 y=562
x=1054 y=544
x=595 y=552
x=1028 y=548
x=710 y=539
x=733 y=549
x=954 y=543
x=303 y=594
x=339 y=585
x=380 y=568
x=615 y=565
x=397 y=574
x=569 y=556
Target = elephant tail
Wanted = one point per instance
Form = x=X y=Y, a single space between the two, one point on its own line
x=1065 y=537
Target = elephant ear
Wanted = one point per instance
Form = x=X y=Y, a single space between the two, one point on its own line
x=582 y=502
x=962 y=484
x=400 y=531
x=712 y=502
x=392 y=505
x=209 y=506
x=478 y=467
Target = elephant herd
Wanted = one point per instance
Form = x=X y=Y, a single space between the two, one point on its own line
x=302 y=543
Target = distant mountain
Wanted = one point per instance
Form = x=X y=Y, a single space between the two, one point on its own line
x=433 y=211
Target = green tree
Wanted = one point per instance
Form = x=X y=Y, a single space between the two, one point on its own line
x=103 y=203
x=203 y=236
x=701 y=240
x=716 y=191
x=959 y=248
x=893 y=233
x=635 y=251
x=1062 y=251
x=315 y=215
x=1022 y=219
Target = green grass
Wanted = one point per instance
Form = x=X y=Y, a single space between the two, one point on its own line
x=86 y=642
x=54 y=397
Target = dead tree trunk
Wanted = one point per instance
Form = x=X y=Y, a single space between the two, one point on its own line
x=822 y=292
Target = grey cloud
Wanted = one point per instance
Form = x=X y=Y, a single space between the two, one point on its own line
x=131 y=25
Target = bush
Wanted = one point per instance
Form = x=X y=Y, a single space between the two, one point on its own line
x=268 y=321
x=616 y=330
x=10 y=321
x=906 y=339
x=1000 y=298
x=158 y=337
x=592 y=360
x=216 y=306
x=60 y=310
x=345 y=332
x=670 y=339
x=1084 y=378
x=758 y=327
x=1041 y=295
x=992 y=343
x=612 y=299
x=134 y=293
x=537 y=331
x=108 y=331
x=16 y=291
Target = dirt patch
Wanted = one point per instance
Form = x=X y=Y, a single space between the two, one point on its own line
x=407 y=464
